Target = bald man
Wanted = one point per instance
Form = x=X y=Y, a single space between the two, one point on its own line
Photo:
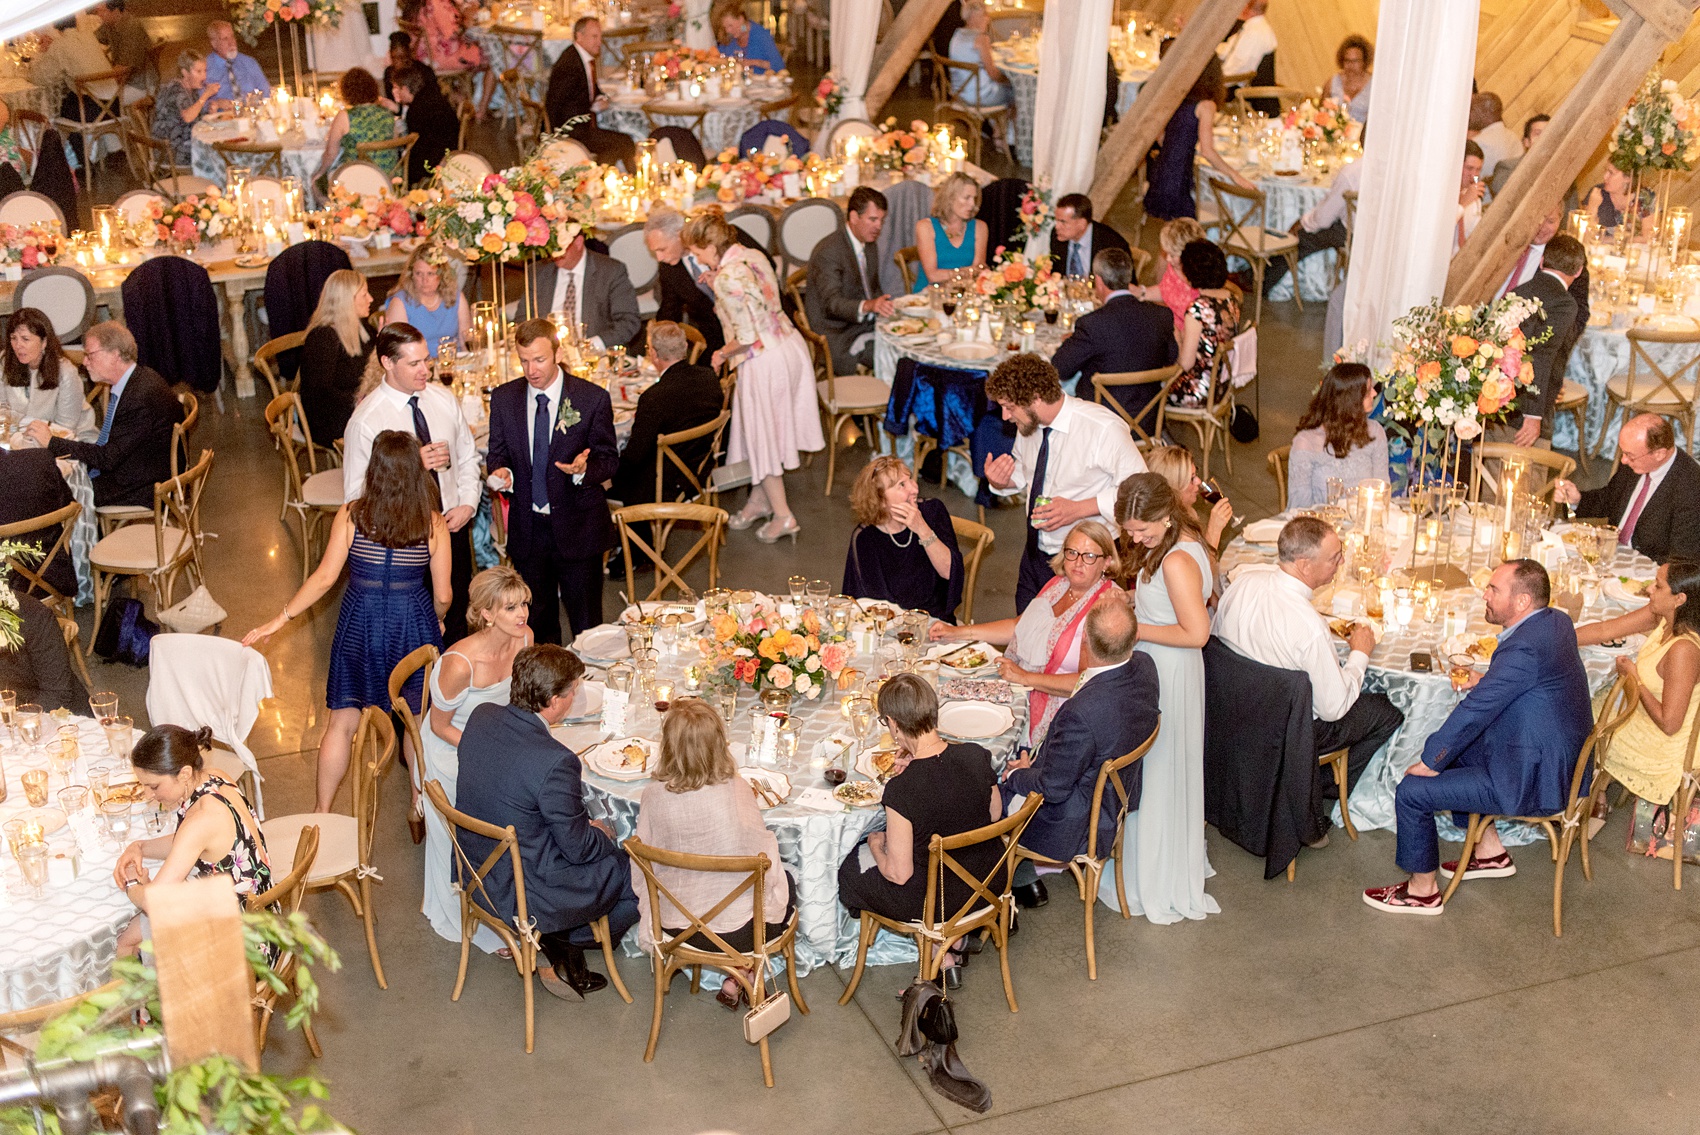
x=1653 y=498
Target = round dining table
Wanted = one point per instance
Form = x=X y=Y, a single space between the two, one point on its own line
x=1427 y=698
x=1018 y=59
x=1603 y=352
x=301 y=152
x=814 y=837
x=62 y=943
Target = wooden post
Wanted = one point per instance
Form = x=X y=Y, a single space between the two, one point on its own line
x=1588 y=114
x=1159 y=98
x=206 y=989
x=897 y=50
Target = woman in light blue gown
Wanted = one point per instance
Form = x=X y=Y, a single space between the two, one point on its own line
x=477 y=669
x=1169 y=574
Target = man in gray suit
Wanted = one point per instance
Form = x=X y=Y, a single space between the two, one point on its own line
x=842 y=298
x=591 y=291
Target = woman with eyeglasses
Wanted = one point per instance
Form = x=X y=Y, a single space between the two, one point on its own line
x=1169 y=574
x=1042 y=647
x=1336 y=438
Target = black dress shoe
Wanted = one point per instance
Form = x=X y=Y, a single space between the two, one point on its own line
x=1031 y=895
x=574 y=979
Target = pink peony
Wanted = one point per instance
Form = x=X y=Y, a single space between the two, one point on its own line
x=525 y=206
x=536 y=232
x=299 y=9
x=31 y=256
x=1511 y=362
x=491 y=181
x=400 y=221
x=183 y=229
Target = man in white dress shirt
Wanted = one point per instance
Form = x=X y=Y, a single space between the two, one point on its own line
x=1323 y=227
x=1071 y=480
x=1488 y=130
x=1245 y=50
x=1266 y=616
x=409 y=401
x=586 y=290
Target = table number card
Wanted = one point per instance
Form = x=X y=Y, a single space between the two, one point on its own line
x=614 y=703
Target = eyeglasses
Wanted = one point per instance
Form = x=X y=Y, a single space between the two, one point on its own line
x=1087 y=558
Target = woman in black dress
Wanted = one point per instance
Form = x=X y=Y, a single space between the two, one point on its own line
x=904 y=548
x=940 y=787
x=334 y=357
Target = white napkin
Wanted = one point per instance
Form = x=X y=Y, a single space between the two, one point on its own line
x=818 y=800
x=1264 y=531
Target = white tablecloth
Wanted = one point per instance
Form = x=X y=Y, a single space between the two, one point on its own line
x=1024 y=85
x=300 y=154
x=1601 y=353
x=1427 y=699
x=19 y=93
x=721 y=127
x=62 y=944
x=811 y=844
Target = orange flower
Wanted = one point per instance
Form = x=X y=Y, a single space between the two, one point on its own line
x=1463 y=346
x=515 y=233
x=1014 y=272
x=1429 y=372
x=1486 y=405
x=1668 y=148
x=491 y=242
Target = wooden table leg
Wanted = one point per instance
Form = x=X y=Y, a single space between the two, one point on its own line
x=236 y=343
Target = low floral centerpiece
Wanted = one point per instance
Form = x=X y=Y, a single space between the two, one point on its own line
x=1327 y=122
x=736 y=179
x=1658 y=130
x=1459 y=368
x=27 y=246
x=361 y=214
x=1014 y=279
x=899 y=149
x=779 y=648
x=208 y=216
x=685 y=62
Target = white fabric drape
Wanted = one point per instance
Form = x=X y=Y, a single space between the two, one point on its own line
x=855 y=28
x=1068 y=115
x=697 y=31
x=1425 y=52
x=20 y=16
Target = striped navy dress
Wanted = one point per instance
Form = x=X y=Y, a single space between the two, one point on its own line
x=386 y=615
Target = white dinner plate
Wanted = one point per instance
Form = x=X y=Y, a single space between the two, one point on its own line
x=605 y=643
x=605 y=759
x=776 y=782
x=974 y=720
x=1460 y=644
x=577 y=737
x=587 y=703
x=972 y=352
x=944 y=650
x=655 y=608
x=1264 y=531
x=1614 y=590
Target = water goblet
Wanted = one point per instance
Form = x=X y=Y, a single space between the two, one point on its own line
x=32 y=861
x=29 y=723
x=120 y=736
x=798 y=585
x=8 y=709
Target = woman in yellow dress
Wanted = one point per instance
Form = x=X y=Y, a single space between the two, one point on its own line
x=1647 y=754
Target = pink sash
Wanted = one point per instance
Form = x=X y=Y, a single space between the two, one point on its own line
x=1037 y=700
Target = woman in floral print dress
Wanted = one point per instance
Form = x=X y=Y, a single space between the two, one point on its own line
x=1210 y=322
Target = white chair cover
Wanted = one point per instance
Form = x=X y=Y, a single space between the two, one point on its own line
x=805 y=225
x=755 y=221
x=196 y=680
x=628 y=248
x=469 y=165
x=664 y=151
x=847 y=128
x=363 y=178
x=64 y=294
x=26 y=207
x=134 y=205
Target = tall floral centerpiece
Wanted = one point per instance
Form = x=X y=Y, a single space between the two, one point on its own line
x=774 y=648
x=1037 y=211
x=252 y=17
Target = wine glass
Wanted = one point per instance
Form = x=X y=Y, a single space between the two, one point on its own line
x=798 y=585
x=8 y=709
x=62 y=755
x=103 y=705
x=29 y=723
x=819 y=590
x=120 y=735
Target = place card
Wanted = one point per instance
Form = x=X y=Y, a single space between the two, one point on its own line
x=765 y=740
x=614 y=705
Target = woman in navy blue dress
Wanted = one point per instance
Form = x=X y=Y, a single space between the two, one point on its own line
x=1191 y=131
x=393 y=540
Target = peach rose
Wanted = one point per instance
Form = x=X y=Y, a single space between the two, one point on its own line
x=1463 y=346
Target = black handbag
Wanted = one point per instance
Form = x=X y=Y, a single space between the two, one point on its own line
x=125 y=633
x=1243 y=425
x=938 y=1020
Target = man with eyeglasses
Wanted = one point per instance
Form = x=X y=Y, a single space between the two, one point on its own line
x=133 y=451
x=1653 y=498
x=1070 y=455
x=1266 y=615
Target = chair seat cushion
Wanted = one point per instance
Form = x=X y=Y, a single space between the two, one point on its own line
x=1258 y=242
x=131 y=548
x=125 y=511
x=1573 y=394
x=1650 y=391
x=854 y=391
x=1197 y=413
x=339 y=844
x=323 y=489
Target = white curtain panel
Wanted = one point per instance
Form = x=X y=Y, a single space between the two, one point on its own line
x=855 y=28
x=20 y=16
x=697 y=31
x=1425 y=51
x=1074 y=51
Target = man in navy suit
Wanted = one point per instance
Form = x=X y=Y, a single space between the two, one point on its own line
x=1112 y=711
x=1124 y=334
x=1509 y=747
x=1076 y=239
x=552 y=448
x=513 y=773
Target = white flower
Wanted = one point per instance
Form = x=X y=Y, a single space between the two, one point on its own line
x=1467 y=429
x=1428 y=413
x=470 y=211
x=743 y=652
x=812 y=664
x=780 y=677
x=803 y=686
x=1668 y=85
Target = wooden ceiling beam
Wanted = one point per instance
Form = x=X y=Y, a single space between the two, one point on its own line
x=1159 y=98
x=1668 y=16
x=1587 y=115
x=902 y=42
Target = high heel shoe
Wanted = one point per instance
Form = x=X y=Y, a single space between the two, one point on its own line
x=743 y=519
x=774 y=530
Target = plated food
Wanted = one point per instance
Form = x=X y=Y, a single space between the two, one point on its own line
x=124 y=792
x=623 y=758
x=1627 y=590
x=858 y=793
x=906 y=327
x=1478 y=648
x=878 y=610
x=970 y=657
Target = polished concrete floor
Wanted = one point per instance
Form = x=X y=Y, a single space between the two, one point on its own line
x=1297 y=1009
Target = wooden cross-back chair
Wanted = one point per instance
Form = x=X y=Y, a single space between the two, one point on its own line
x=72 y=635
x=1343 y=254
x=1088 y=868
x=1681 y=800
x=1482 y=453
x=1242 y=215
x=314 y=495
x=975 y=540
x=663 y=518
x=263 y=159
x=287 y=895
x=23 y=1022
x=699 y=483
x=1209 y=421
x=413 y=725
x=265 y=361
x=1648 y=387
x=401 y=147
x=1564 y=827
x=909 y=263
x=673 y=950
x=478 y=908
x=345 y=859
x=533 y=120
x=844 y=398
x=988 y=908
x=156 y=554
x=97 y=114
x=1104 y=384
x=34 y=572
x=954 y=82
x=1278 y=460
x=1287 y=97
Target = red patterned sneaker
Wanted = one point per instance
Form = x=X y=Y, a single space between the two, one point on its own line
x=1499 y=867
x=1399 y=900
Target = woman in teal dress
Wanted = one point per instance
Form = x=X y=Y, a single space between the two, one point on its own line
x=951 y=238
x=362 y=120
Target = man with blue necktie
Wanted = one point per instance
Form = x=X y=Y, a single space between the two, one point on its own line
x=1075 y=236
x=133 y=451
x=552 y=448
